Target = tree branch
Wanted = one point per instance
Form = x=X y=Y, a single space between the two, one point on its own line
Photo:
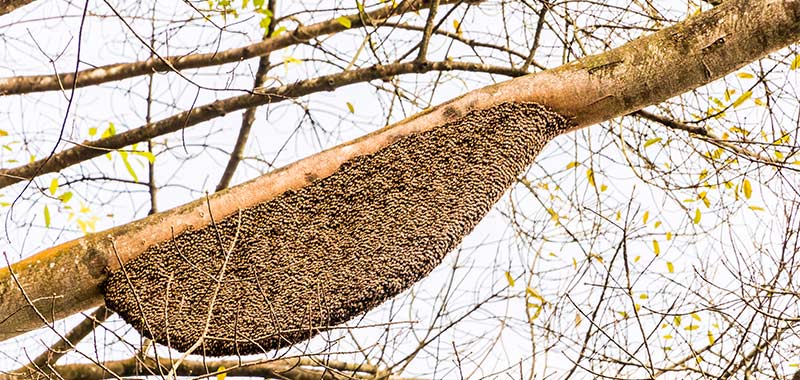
x=8 y=6
x=426 y=34
x=249 y=114
x=64 y=279
x=260 y=96
x=298 y=368
x=118 y=71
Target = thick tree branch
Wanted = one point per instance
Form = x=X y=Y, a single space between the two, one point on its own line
x=118 y=71
x=298 y=368
x=10 y=5
x=64 y=279
x=426 y=35
x=260 y=96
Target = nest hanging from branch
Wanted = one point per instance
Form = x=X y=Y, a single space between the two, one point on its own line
x=283 y=271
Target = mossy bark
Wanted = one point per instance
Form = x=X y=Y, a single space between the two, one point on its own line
x=64 y=280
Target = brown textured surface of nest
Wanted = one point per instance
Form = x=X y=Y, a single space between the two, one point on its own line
x=310 y=259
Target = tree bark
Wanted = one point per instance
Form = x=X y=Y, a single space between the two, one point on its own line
x=11 y=5
x=63 y=280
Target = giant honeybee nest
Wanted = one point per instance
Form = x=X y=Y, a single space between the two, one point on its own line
x=313 y=258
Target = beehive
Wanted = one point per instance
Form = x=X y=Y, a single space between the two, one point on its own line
x=282 y=271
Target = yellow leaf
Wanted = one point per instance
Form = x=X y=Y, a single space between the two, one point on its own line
x=697 y=216
x=703 y=174
x=795 y=62
x=748 y=189
x=668 y=336
x=590 y=176
x=128 y=166
x=658 y=223
x=603 y=187
x=619 y=215
x=758 y=102
x=553 y=214
x=149 y=156
x=636 y=259
x=702 y=196
x=46 y=217
x=651 y=141
x=110 y=131
x=3 y=133
x=510 y=279
x=623 y=314
x=65 y=197
x=728 y=94
x=669 y=236
x=745 y=75
x=289 y=59
x=53 y=186
x=344 y=21
x=578 y=319
x=92 y=131
x=691 y=327
x=742 y=99
x=535 y=294
x=457 y=27
x=696 y=317
x=574 y=263
x=222 y=374
x=670 y=267
x=537 y=310
x=572 y=164
x=656 y=249
x=645 y=217
x=350 y=107
x=643 y=296
x=676 y=320
x=756 y=208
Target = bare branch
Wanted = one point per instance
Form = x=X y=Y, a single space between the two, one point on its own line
x=249 y=114
x=92 y=149
x=118 y=71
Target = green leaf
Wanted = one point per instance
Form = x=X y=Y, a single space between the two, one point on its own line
x=46 y=217
x=344 y=21
x=350 y=107
x=53 y=186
